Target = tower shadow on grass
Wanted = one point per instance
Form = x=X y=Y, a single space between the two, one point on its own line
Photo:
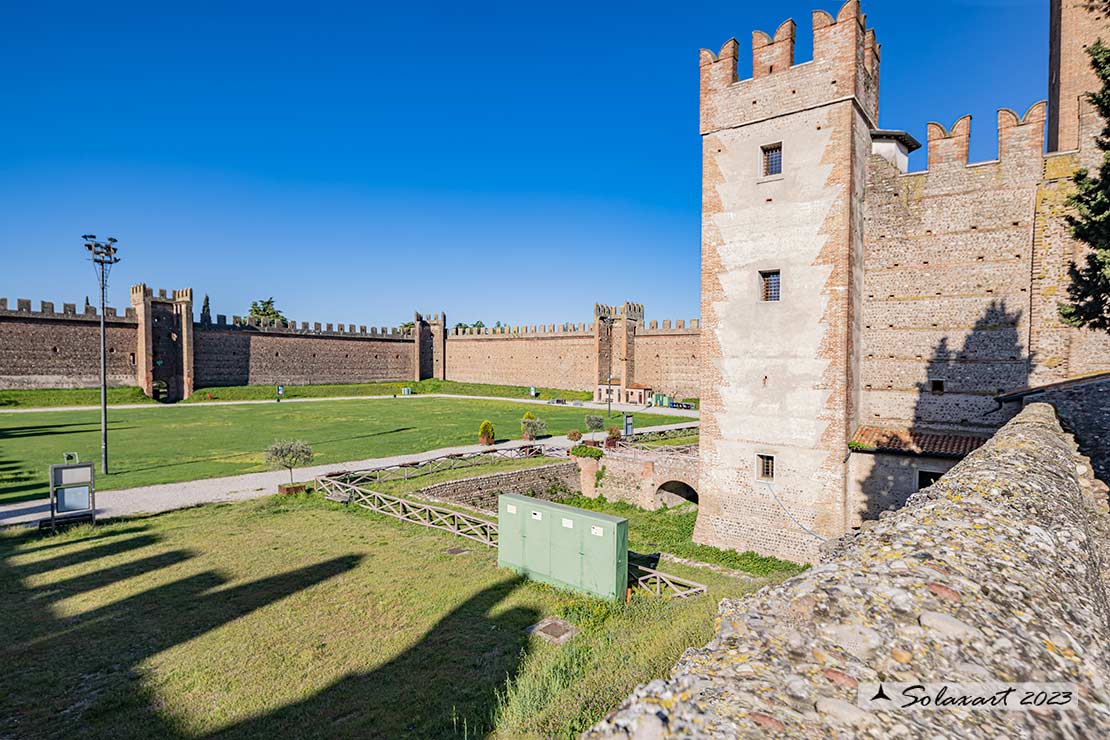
x=991 y=359
x=88 y=666
x=446 y=685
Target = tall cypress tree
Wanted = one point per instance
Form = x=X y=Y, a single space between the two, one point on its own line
x=1089 y=293
x=205 y=312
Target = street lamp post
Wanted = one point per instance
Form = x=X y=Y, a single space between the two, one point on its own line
x=103 y=256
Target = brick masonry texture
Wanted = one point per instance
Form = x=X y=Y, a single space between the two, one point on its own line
x=908 y=599
x=547 y=482
x=909 y=300
x=635 y=476
x=44 y=349
x=233 y=357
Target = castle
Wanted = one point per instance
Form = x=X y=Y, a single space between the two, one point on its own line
x=861 y=326
x=853 y=312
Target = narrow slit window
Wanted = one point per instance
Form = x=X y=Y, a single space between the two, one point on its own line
x=769 y=285
x=772 y=159
x=765 y=467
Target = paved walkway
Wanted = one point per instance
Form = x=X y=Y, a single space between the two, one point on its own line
x=169 y=496
x=584 y=404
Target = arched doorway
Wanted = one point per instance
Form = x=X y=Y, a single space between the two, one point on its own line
x=675 y=493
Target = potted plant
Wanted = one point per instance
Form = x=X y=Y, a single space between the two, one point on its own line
x=574 y=435
x=611 y=437
x=289 y=454
x=485 y=432
x=530 y=429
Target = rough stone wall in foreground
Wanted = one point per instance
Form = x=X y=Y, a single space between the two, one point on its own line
x=996 y=572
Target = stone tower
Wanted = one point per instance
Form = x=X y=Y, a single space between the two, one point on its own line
x=784 y=160
x=1073 y=25
x=164 y=342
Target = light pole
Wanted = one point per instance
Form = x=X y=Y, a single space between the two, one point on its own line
x=103 y=256
x=608 y=320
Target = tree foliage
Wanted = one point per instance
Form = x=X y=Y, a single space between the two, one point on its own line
x=485 y=431
x=594 y=423
x=289 y=454
x=1088 y=302
x=266 y=309
x=205 y=311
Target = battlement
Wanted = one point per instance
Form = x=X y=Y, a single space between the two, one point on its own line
x=349 y=331
x=534 y=331
x=141 y=292
x=667 y=327
x=431 y=318
x=845 y=64
x=22 y=308
x=629 y=310
x=1020 y=140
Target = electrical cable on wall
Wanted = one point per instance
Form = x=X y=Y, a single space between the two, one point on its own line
x=801 y=526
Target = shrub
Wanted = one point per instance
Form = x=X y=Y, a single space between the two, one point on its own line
x=594 y=453
x=289 y=454
x=527 y=416
x=485 y=432
x=532 y=428
x=594 y=423
x=574 y=435
x=614 y=433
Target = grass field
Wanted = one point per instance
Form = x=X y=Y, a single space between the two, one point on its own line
x=166 y=444
x=48 y=397
x=292 y=617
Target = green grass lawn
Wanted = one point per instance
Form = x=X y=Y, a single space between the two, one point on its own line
x=165 y=444
x=47 y=397
x=293 y=617
x=403 y=486
x=685 y=439
x=266 y=392
x=672 y=531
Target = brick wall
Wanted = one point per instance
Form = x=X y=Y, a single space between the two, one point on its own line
x=481 y=492
x=44 y=349
x=242 y=356
x=555 y=359
x=667 y=360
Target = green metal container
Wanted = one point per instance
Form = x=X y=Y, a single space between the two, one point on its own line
x=564 y=546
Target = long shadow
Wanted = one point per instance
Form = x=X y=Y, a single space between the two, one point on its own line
x=991 y=359
x=44 y=430
x=69 y=673
x=446 y=685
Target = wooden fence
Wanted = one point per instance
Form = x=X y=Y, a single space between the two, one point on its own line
x=426 y=515
x=658 y=582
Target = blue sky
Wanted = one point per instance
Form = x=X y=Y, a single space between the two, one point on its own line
x=360 y=161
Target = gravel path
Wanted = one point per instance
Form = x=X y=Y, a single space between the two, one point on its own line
x=585 y=404
x=169 y=496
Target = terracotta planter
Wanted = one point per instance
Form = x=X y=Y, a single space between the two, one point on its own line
x=291 y=488
x=486 y=440
x=590 y=443
x=610 y=443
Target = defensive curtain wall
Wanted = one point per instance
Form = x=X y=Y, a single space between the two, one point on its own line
x=158 y=343
x=998 y=572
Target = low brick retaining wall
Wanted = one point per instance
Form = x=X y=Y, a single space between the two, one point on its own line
x=995 y=573
x=481 y=491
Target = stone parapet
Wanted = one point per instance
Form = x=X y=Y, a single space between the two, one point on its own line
x=994 y=573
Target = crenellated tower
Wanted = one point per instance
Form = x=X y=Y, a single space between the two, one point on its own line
x=784 y=160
